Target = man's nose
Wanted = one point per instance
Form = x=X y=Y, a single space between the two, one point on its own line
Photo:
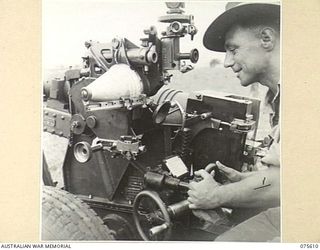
x=228 y=60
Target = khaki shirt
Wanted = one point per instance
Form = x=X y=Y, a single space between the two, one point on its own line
x=272 y=141
x=273 y=102
x=272 y=156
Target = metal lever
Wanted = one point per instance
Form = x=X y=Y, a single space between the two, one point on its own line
x=158 y=229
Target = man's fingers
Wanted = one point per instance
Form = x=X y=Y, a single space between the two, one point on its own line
x=193 y=206
x=191 y=203
x=212 y=173
x=202 y=173
x=190 y=200
x=192 y=185
x=191 y=193
x=210 y=167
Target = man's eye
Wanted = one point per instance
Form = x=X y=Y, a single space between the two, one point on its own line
x=233 y=50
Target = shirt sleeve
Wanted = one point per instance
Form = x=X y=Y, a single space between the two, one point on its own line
x=272 y=158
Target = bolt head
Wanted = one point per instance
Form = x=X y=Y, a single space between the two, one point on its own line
x=115 y=43
x=84 y=94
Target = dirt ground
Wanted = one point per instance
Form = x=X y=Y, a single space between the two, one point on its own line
x=54 y=148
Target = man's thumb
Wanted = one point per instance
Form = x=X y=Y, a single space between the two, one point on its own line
x=222 y=167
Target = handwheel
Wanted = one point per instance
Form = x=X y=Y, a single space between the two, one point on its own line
x=151 y=217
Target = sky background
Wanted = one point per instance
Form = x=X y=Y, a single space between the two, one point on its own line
x=67 y=24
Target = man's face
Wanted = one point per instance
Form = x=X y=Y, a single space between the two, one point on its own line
x=245 y=55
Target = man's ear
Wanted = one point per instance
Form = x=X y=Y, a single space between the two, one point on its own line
x=268 y=38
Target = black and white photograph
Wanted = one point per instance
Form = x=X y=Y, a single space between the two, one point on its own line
x=161 y=121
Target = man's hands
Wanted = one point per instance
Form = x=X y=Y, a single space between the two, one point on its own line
x=204 y=194
x=231 y=174
x=207 y=194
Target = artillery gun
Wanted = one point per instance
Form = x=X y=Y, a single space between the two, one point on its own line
x=133 y=144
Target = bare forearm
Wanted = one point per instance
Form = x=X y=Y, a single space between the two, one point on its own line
x=261 y=189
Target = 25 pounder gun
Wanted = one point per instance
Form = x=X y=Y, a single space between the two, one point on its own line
x=134 y=144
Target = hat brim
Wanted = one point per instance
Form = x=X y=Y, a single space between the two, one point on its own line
x=215 y=35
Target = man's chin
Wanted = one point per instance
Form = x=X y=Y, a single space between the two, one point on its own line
x=245 y=83
x=246 y=79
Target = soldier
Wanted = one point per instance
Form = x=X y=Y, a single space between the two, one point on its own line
x=249 y=34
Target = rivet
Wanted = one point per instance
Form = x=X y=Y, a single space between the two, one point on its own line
x=91 y=121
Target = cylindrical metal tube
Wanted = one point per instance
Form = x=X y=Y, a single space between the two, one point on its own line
x=156 y=180
x=153 y=179
x=184 y=56
x=193 y=56
x=206 y=115
x=158 y=229
x=82 y=152
x=176 y=27
x=46 y=88
x=178 y=209
x=142 y=56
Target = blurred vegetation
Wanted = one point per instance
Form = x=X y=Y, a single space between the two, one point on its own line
x=214 y=62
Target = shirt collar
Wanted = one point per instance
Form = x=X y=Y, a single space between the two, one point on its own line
x=277 y=95
x=271 y=98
